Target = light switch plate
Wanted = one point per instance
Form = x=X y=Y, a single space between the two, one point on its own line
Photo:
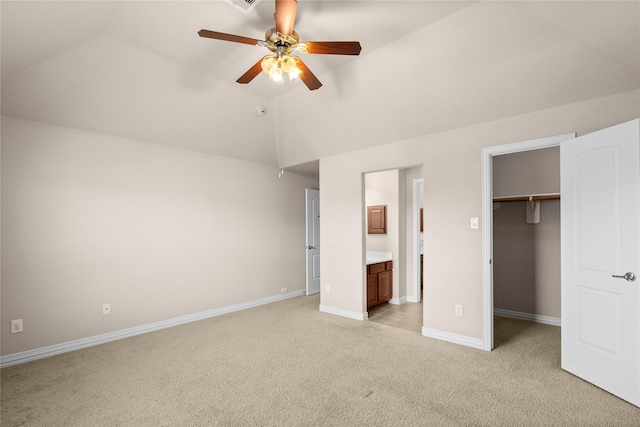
x=474 y=223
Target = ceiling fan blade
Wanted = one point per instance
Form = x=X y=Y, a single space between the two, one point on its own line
x=251 y=73
x=332 y=48
x=307 y=77
x=228 y=37
x=285 y=16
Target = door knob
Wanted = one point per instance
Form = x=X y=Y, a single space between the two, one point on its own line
x=629 y=277
x=310 y=247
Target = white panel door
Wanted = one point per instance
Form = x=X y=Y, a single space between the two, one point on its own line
x=600 y=187
x=312 y=198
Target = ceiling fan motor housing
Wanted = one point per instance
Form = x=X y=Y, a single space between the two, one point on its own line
x=276 y=41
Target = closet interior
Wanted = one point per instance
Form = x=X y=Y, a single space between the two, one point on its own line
x=526 y=235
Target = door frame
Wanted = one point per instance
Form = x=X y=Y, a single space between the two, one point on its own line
x=417 y=188
x=309 y=194
x=487 y=221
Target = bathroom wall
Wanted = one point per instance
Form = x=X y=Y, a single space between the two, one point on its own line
x=381 y=188
x=384 y=188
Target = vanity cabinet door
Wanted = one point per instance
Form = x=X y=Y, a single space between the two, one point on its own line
x=372 y=290
x=385 y=287
x=379 y=283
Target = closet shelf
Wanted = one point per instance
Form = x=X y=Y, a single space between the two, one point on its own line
x=527 y=198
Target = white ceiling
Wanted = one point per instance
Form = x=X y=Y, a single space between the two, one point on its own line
x=137 y=69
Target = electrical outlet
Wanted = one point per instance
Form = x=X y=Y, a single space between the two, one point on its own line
x=106 y=308
x=16 y=326
x=458 y=310
x=283 y=290
x=327 y=288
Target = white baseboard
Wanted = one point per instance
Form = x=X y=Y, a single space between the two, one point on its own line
x=453 y=338
x=40 y=353
x=398 y=301
x=547 y=320
x=479 y=343
x=411 y=298
x=342 y=312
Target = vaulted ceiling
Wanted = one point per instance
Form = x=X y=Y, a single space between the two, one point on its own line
x=138 y=70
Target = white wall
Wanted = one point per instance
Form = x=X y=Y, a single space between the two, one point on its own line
x=452 y=194
x=158 y=232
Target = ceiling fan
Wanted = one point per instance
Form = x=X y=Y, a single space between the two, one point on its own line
x=283 y=41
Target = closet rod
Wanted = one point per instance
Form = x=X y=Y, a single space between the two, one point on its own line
x=527 y=198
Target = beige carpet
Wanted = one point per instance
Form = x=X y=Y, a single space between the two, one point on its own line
x=287 y=364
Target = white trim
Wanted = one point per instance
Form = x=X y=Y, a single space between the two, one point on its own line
x=487 y=221
x=453 y=338
x=538 y=318
x=412 y=298
x=398 y=301
x=533 y=144
x=487 y=250
x=342 y=312
x=416 y=239
x=52 y=350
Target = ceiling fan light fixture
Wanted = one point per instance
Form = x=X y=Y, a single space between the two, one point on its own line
x=269 y=65
x=276 y=66
x=287 y=63
x=294 y=74
x=277 y=75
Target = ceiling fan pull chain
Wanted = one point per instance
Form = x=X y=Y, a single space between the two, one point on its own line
x=281 y=119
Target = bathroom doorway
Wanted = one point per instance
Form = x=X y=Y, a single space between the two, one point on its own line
x=400 y=192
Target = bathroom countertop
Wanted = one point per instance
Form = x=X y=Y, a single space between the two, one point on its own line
x=376 y=257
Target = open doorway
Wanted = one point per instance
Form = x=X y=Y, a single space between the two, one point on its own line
x=526 y=240
x=527 y=192
x=398 y=246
